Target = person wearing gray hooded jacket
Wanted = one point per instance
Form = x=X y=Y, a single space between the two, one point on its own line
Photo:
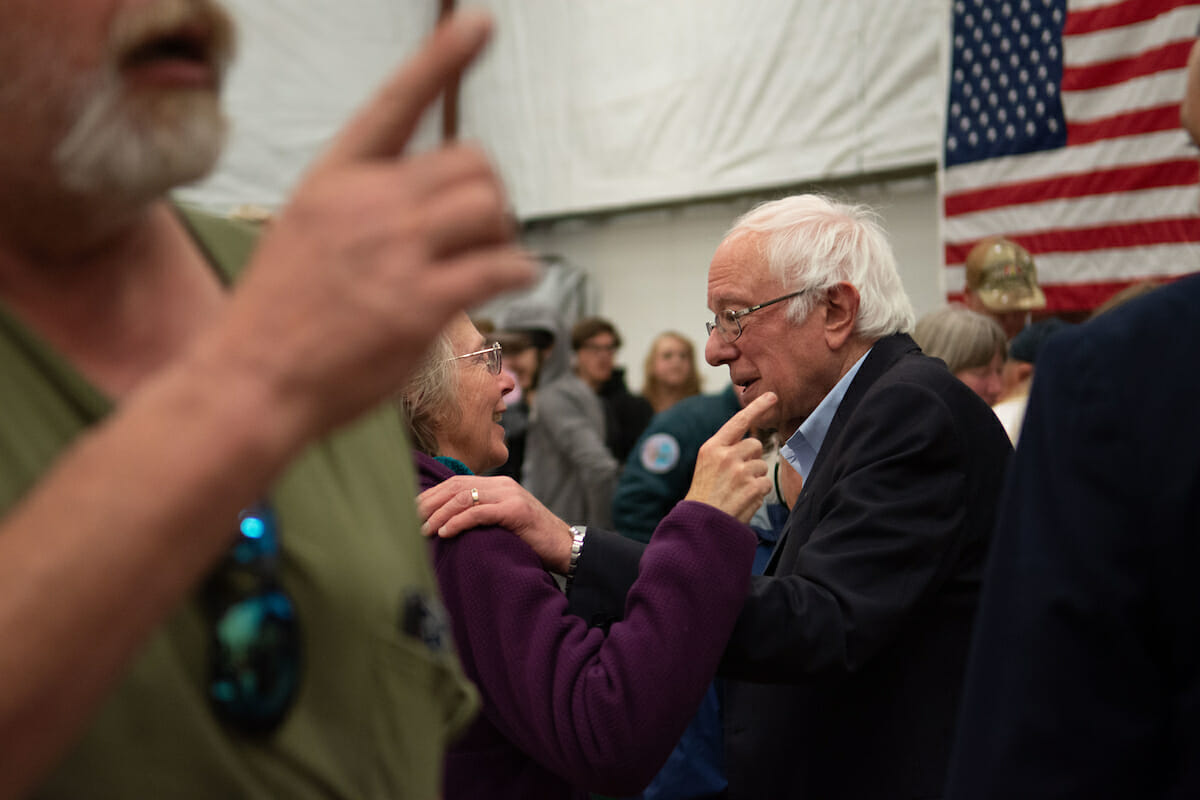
x=568 y=465
x=532 y=336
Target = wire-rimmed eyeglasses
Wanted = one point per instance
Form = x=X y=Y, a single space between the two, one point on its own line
x=489 y=357
x=728 y=322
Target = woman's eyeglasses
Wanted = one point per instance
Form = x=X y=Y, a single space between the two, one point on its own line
x=489 y=357
x=255 y=650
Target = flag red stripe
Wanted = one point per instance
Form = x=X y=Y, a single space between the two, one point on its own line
x=1131 y=123
x=1171 y=230
x=1180 y=172
x=1103 y=237
x=1109 y=73
x=1114 y=16
x=1082 y=296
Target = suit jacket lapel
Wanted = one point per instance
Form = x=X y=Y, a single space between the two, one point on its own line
x=884 y=353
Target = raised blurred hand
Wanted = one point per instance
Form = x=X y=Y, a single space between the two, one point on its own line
x=376 y=250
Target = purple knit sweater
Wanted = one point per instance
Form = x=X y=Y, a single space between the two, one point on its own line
x=567 y=709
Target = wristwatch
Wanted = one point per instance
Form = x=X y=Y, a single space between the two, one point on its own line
x=577 y=534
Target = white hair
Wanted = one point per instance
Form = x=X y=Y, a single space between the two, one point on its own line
x=963 y=338
x=428 y=402
x=812 y=242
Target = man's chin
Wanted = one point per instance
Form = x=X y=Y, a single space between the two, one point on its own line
x=140 y=147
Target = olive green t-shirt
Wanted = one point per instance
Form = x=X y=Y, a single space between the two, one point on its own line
x=376 y=705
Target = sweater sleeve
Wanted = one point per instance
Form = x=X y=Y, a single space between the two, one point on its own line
x=603 y=711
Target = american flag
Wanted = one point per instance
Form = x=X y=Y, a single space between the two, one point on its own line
x=1062 y=133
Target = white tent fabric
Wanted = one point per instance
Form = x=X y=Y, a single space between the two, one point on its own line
x=590 y=106
x=594 y=105
x=303 y=67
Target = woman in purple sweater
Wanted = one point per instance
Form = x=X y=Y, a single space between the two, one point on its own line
x=569 y=709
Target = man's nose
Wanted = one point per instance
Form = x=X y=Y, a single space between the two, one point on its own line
x=717 y=351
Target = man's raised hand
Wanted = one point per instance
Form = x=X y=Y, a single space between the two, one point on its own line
x=377 y=249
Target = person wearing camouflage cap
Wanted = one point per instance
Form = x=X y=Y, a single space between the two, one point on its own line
x=1002 y=283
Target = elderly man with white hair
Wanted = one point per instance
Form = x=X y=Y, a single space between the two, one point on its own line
x=847 y=659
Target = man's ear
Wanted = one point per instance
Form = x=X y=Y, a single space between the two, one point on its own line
x=841 y=314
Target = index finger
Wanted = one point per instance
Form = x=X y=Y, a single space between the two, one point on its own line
x=384 y=125
x=740 y=423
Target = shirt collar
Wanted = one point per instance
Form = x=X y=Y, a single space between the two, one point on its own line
x=801 y=449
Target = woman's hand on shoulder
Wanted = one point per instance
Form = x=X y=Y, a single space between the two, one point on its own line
x=463 y=502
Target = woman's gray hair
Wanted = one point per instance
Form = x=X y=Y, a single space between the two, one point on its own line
x=963 y=338
x=812 y=242
x=429 y=400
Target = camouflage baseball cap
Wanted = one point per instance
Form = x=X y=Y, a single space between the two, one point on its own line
x=1002 y=274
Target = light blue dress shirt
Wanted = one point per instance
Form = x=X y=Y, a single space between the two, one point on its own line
x=801 y=449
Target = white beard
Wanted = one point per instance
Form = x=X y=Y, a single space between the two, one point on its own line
x=139 y=147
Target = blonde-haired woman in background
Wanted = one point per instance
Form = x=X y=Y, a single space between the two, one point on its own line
x=670 y=371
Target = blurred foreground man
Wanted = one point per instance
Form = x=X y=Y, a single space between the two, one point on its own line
x=155 y=645
x=1085 y=673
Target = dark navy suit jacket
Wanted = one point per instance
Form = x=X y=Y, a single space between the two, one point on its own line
x=1085 y=676
x=849 y=654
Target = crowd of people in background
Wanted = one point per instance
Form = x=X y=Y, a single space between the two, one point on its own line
x=831 y=578
x=588 y=421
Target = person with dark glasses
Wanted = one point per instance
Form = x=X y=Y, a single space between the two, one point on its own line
x=569 y=708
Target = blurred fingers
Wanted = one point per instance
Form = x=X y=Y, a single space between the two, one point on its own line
x=383 y=127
